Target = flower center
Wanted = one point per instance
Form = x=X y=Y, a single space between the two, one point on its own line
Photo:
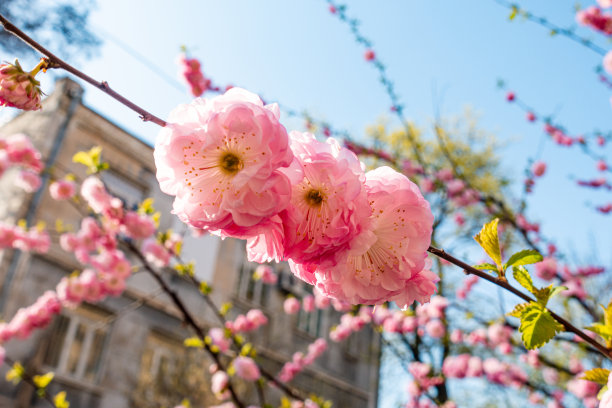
x=231 y=164
x=314 y=198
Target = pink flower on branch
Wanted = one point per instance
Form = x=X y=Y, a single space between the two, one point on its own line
x=19 y=89
x=328 y=200
x=190 y=71
x=221 y=159
x=386 y=261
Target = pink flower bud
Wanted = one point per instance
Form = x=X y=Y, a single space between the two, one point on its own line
x=246 y=368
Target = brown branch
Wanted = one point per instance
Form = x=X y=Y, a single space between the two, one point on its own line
x=56 y=62
x=29 y=379
x=187 y=317
x=504 y=284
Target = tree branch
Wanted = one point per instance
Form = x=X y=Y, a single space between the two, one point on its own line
x=56 y=62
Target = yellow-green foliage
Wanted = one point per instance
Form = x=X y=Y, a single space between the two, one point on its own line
x=458 y=143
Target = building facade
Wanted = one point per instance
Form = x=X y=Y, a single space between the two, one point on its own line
x=128 y=351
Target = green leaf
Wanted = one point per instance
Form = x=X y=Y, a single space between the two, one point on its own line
x=193 y=342
x=16 y=373
x=489 y=241
x=598 y=375
x=537 y=326
x=523 y=278
x=518 y=310
x=486 y=267
x=41 y=381
x=601 y=329
x=513 y=13
x=556 y=290
x=543 y=295
x=524 y=257
x=60 y=400
x=90 y=159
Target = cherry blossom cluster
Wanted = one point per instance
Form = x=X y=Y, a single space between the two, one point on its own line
x=422 y=380
x=17 y=151
x=29 y=318
x=18 y=88
x=584 y=390
x=299 y=361
x=18 y=237
x=358 y=236
x=572 y=279
x=266 y=274
x=595 y=18
x=253 y=320
x=496 y=371
x=468 y=283
x=190 y=71
x=350 y=323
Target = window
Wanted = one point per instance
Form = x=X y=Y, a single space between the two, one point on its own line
x=310 y=323
x=169 y=372
x=160 y=362
x=249 y=289
x=76 y=345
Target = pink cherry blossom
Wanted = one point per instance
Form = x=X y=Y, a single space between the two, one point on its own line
x=387 y=260
x=137 y=226
x=62 y=189
x=18 y=88
x=606 y=398
x=605 y=3
x=593 y=17
x=582 y=388
x=538 y=169
x=291 y=305
x=266 y=274
x=328 y=202
x=220 y=158
x=20 y=151
x=219 y=382
x=435 y=329
x=219 y=339
x=96 y=196
x=190 y=71
x=256 y=318
x=546 y=269
x=369 y=55
x=308 y=303
x=28 y=181
x=155 y=253
x=246 y=368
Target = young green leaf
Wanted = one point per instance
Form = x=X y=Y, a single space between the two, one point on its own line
x=598 y=375
x=518 y=310
x=524 y=257
x=42 y=381
x=486 y=267
x=489 y=241
x=60 y=400
x=523 y=278
x=90 y=159
x=193 y=342
x=537 y=326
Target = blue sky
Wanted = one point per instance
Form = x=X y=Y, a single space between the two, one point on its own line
x=452 y=53
x=297 y=53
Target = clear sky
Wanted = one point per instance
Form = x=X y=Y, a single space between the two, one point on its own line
x=450 y=52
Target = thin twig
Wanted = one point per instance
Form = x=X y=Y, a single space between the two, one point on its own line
x=56 y=62
x=504 y=284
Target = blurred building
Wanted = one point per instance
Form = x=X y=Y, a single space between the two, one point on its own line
x=127 y=351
